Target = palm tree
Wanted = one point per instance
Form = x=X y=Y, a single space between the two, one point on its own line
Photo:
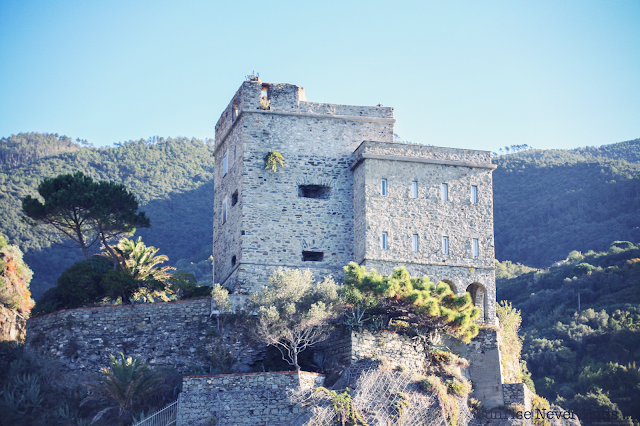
x=125 y=385
x=139 y=264
x=140 y=261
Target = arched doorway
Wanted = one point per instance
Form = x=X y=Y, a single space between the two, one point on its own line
x=479 y=298
x=451 y=285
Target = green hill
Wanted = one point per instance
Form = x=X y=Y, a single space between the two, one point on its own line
x=172 y=178
x=549 y=202
x=581 y=328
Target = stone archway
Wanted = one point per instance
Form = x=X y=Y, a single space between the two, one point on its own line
x=479 y=298
x=451 y=285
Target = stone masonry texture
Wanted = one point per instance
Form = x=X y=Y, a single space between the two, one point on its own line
x=243 y=399
x=271 y=225
x=171 y=334
x=348 y=150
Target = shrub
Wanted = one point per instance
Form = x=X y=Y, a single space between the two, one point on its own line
x=583 y=268
x=15 y=277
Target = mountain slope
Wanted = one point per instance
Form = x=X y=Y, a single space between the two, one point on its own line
x=581 y=328
x=172 y=179
x=549 y=202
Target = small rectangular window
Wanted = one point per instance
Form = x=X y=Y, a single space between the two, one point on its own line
x=445 y=245
x=234 y=198
x=445 y=192
x=474 y=247
x=384 y=241
x=224 y=211
x=414 y=243
x=414 y=189
x=314 y=191
x=312 y=256
x=474 y=194
x=225 y=164
x=383 y=189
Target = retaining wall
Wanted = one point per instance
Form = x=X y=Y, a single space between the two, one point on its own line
x=163 y=334
x=243 y=399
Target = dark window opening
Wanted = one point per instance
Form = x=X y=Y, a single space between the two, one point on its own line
x=312 y=256
x=234 y=198
x=233 y=260
x=322 y=192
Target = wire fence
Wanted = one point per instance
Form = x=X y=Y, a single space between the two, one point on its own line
x=382 y=398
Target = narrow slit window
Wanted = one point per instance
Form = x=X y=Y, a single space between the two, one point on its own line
x=234 y=113
x=225 y=164
x=234 y=198
x=385 y=242
x=383 y=188
x=414 y=189
x=312 y=256
x=474 y=247
x=445 y=192
x=224 y=211
x=474 y=194
x=414 y=243
x=233 y=260
x=445 y=245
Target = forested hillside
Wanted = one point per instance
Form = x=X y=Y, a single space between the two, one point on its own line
x=549 y=202
x=581 y=328
x=172 y=179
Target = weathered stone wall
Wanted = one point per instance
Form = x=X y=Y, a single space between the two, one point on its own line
x=396 y=349
x=485 y=369
x=162 y=334
x=12 y=325
x=517 y=393
x=392 y=348
x=273 y=224
x=428 y=216
x=248 y=381
x=243 y=399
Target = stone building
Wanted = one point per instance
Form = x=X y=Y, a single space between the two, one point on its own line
x=347 y=192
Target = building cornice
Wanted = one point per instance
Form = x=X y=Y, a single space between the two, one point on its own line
x=408 y=159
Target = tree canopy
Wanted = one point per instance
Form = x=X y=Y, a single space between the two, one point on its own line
x=294 y=311
x=172 y=179
x=86 y=212
x=417 y=301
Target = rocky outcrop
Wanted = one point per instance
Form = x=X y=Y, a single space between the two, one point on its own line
x=13 y=326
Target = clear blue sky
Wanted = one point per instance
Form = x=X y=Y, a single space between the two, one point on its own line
x=465 y=74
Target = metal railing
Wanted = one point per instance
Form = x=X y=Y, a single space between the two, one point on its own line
x=165 y=417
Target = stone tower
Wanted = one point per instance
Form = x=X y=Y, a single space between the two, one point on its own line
x=347 y=192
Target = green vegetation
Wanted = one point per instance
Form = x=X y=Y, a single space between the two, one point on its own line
x=293 y=312
x=86 y=212
x=416 y=301
x=31 y=395
x=126 y=387
x=137 y=279
x=549 y=202
x=343 y=405
x=171 y=178
x=15 y=276
x=272 y=160
x=581 y=327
